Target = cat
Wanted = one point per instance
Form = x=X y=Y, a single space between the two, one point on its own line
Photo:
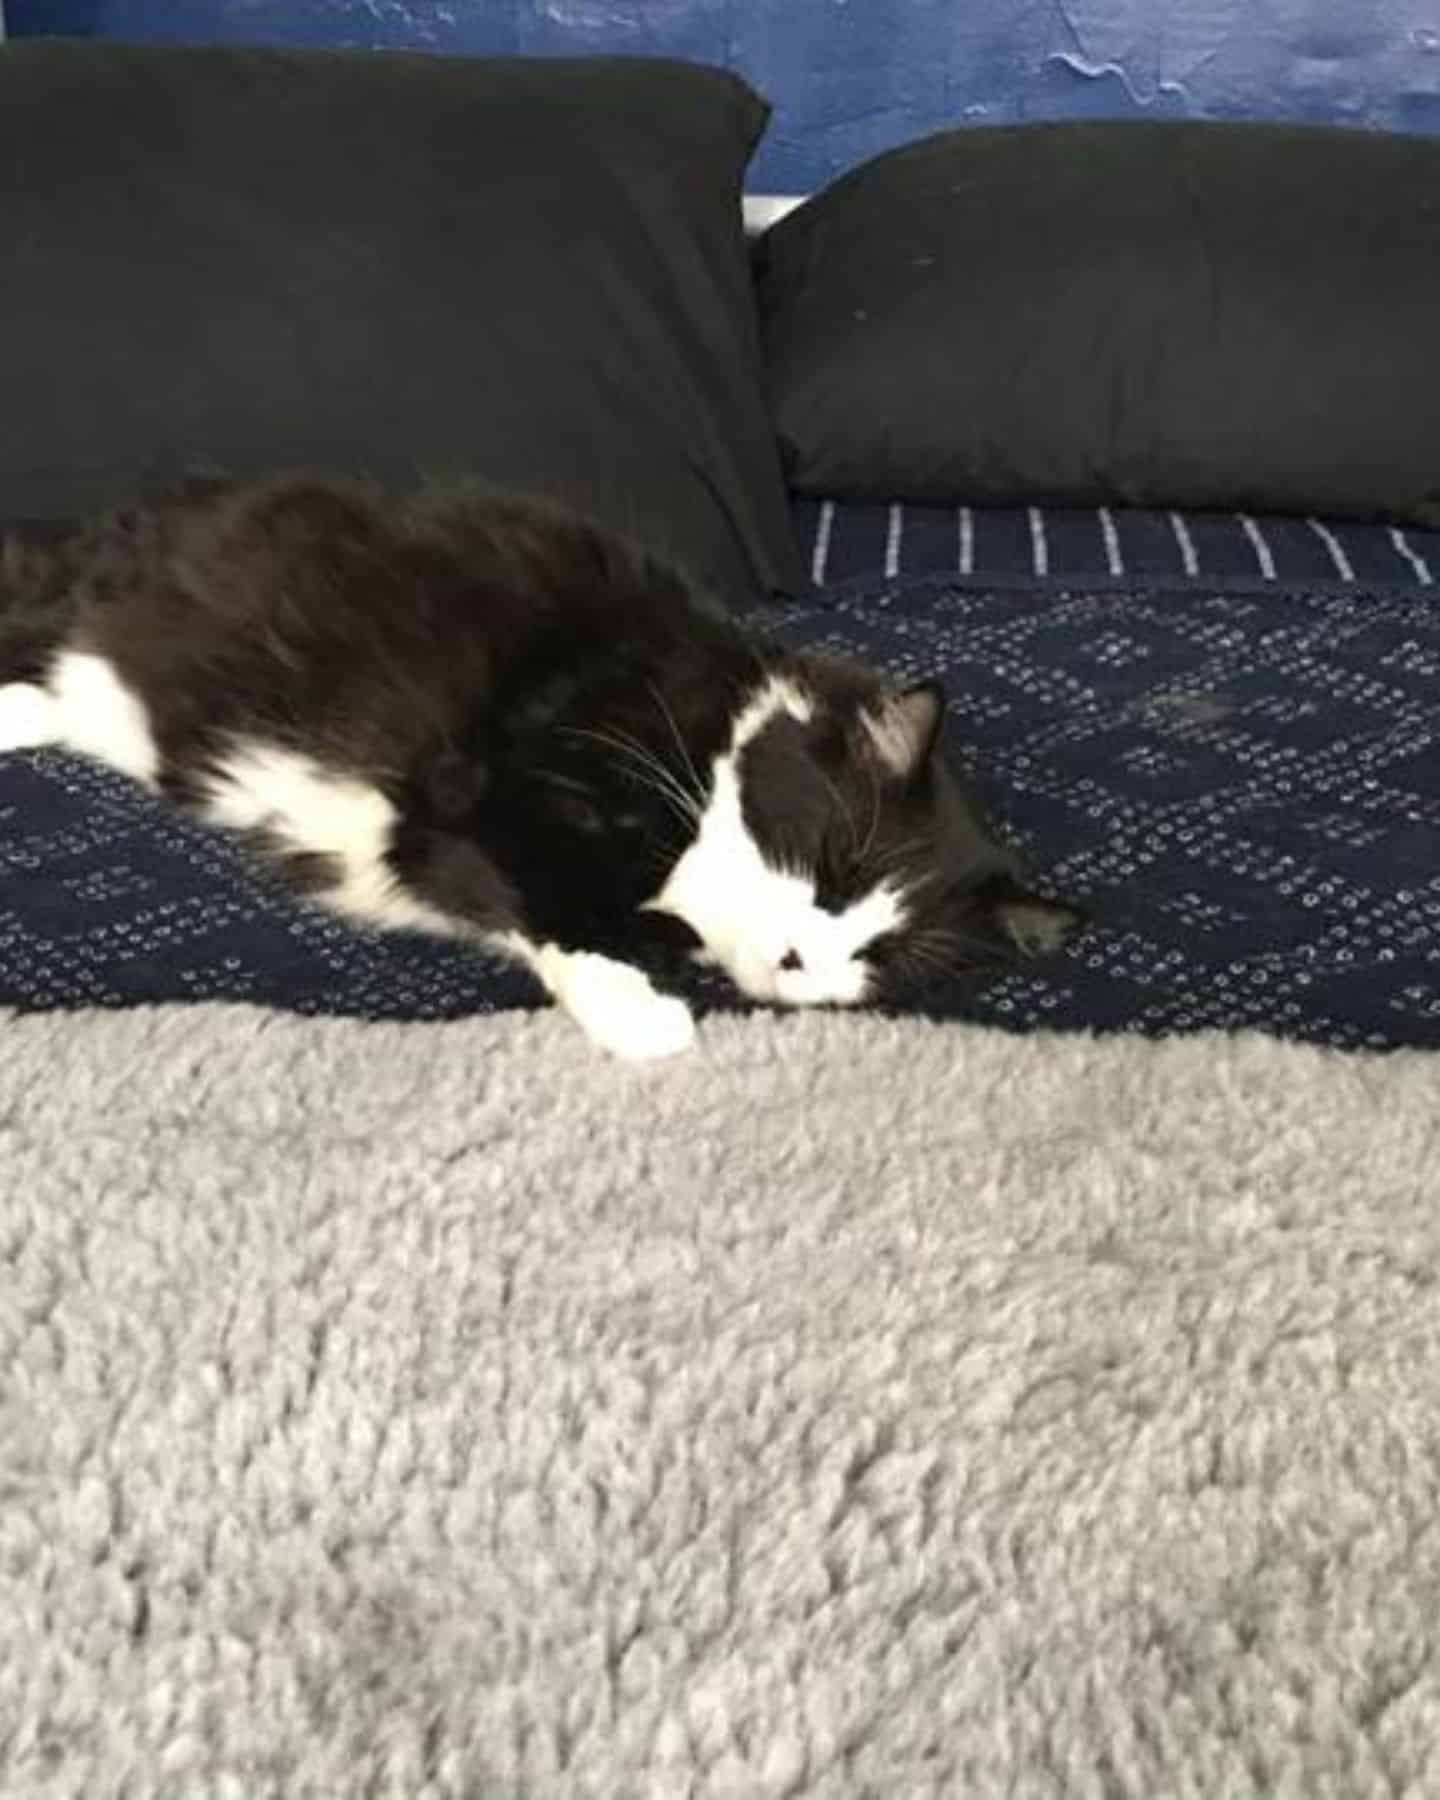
x=477 y=714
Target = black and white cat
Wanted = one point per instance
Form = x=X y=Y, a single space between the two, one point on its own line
x=481 y=716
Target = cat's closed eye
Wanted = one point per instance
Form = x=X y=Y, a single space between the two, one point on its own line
x=838 y=879
x=848 y=866
x=577 y=811
x=578 y=804
x=589 y=814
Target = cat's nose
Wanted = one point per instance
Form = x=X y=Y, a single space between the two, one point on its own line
x=791 y=961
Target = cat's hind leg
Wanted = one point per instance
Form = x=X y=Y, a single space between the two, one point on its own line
x=29 y=717
x=85 y=707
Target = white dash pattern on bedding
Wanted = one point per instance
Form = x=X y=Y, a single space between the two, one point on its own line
x=1344 y=568
x=1114 y=561
x=821 y=554
x=1039 y=543
x=1263 y=555
x=894 y=538
x=1188 y=558
x=1417 y=562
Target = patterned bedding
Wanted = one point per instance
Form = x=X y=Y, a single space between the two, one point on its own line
x=1104 y=546
x=1241 y=772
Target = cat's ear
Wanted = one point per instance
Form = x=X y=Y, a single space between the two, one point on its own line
x=1024 y=922
x=900 y=732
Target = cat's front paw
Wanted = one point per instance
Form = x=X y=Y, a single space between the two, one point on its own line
x=618 y=1009
x=661 y=1026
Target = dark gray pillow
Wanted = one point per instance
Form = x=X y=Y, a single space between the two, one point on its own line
x=1158 y=313
x=236 y=260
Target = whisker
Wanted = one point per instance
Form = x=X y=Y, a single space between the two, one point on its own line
x=841 y=807
x=897 y=853
x=565 y=783
x=680 y=744
x=643 y=761
x=874 y=816
x=647 y=758
x=676 y=802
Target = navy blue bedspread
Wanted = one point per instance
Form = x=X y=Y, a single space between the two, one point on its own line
x=1245 y=786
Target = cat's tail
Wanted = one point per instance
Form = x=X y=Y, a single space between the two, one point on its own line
x=37 y=600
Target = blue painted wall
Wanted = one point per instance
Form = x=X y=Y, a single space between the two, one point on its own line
x=851 y=77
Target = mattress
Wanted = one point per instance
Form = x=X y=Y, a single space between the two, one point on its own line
x=1234 y=763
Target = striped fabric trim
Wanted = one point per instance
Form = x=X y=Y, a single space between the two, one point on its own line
x=1039 y=542
x=847 y=541
x=893 y=539
x=820 y=554
x=1343 y=566
x=1189 y=562
x=1417 y=562
x=1114 y=558
x=1263 y=555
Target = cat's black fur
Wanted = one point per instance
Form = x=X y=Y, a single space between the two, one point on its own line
x=530 y=693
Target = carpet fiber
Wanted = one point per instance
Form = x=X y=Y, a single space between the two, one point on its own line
x=855 y=1407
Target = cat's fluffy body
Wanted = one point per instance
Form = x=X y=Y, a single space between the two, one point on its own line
x=472 y=714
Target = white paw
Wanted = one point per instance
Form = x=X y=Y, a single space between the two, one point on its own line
x=617 y=1008
x=27 y=717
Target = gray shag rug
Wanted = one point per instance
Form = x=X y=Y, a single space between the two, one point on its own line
x=851 y=1408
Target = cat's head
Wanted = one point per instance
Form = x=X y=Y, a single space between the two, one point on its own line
x=839 y=859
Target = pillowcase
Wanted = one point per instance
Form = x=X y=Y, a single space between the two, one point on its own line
x=1144 y=313
x=400 y=265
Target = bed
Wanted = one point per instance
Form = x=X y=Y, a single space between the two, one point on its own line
x=1218 y=731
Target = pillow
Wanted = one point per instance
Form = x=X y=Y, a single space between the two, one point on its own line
x=1144 y=313
x=400 y=265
